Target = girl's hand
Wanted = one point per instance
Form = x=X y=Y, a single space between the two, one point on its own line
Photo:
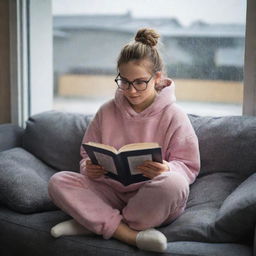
x=94 y=171
x=152 y=169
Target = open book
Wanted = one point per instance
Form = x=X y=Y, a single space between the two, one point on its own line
x=121 y=164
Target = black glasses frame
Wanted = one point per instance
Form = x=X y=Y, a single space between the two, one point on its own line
x=130 y=83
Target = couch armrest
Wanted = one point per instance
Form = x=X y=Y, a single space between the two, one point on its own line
x=10 y=136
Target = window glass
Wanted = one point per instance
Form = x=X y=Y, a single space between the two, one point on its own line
x=202 y=46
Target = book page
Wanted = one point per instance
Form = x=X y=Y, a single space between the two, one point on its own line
x=99 y=145
x=135 y=161
x=138 y=146
x=106 y=161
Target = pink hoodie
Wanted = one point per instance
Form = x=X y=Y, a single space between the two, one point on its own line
x=117 y=124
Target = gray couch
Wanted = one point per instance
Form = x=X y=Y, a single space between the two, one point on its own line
x=220 y=215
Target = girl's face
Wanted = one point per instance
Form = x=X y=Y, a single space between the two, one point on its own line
x=139 y=71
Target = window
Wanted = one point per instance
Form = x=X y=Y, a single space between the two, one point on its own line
x=31 y=78
x=203 y=51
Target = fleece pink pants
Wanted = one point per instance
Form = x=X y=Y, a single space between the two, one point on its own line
x=100 y=205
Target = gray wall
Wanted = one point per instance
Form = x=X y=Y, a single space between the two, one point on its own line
x=96 y=51
x=88 y=49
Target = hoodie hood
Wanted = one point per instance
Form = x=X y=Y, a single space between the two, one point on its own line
x=164 y=98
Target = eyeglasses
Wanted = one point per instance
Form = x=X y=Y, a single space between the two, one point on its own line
x=138 y=84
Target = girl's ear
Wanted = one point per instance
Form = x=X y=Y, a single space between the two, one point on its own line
x=159 y=75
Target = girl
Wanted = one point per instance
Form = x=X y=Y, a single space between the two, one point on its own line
x=143 y=110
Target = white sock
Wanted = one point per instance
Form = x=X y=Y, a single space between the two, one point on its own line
x=69 y=228
x=151 y=240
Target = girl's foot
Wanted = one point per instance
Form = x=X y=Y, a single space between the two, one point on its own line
x=69 y=228
x=151 y=240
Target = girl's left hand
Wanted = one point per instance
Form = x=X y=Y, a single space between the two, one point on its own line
x=152 y=169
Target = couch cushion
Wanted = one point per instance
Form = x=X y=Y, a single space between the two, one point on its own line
x=24 y=181
x=10 y=136
x=238 y=212
x=226 y=144
x=197 y=223
x=55 y=138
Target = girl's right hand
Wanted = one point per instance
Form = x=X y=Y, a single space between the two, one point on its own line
x=94 y=171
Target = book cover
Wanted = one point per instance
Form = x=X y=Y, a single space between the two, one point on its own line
x=121 y=164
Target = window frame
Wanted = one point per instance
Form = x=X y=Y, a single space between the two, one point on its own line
x=19 y=62
x=31 y=58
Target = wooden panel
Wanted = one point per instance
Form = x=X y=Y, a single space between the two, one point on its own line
x=93 y=86
x=5 y=99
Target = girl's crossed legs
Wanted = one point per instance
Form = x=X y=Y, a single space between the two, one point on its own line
x=106 y=211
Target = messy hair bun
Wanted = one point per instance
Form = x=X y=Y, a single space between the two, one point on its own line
x=143 y=48
x=147 y=36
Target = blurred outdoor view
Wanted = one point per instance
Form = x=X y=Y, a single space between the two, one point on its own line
x=202 y=46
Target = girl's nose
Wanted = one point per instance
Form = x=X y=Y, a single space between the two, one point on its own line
x=132 y=89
